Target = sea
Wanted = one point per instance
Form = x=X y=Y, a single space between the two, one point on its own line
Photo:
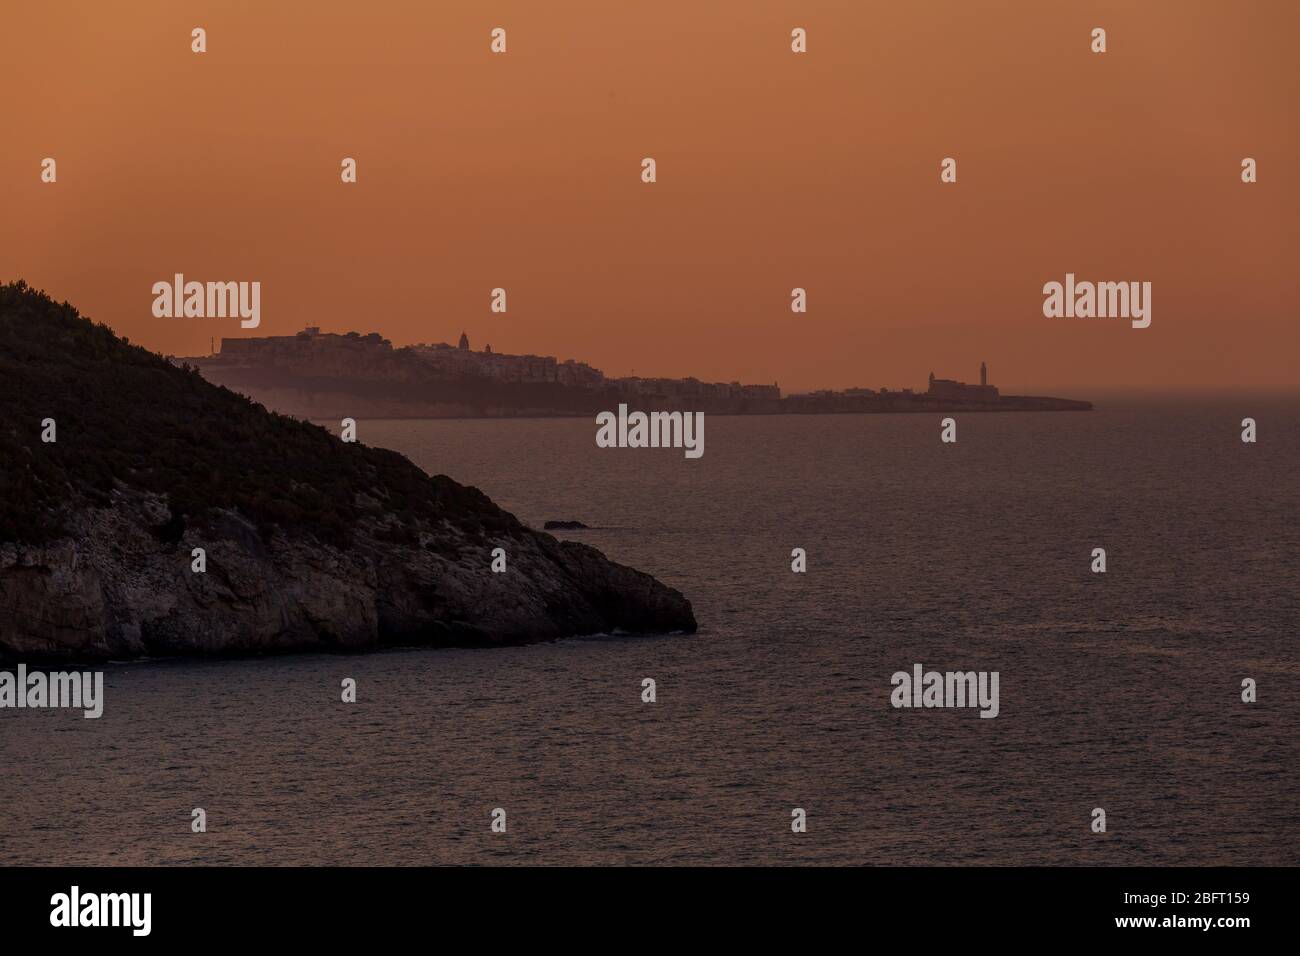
x=1119 y=691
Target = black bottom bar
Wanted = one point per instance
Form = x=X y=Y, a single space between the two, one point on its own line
x=332 y=906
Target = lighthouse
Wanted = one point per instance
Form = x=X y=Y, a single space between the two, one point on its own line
x=984 y=374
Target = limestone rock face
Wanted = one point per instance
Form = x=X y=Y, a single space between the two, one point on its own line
x=114 y=590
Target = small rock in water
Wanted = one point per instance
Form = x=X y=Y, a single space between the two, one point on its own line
x=563 y=526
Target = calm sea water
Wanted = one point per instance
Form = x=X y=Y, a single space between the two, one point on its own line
x=1119 y=691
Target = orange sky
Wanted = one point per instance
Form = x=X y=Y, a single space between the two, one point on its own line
x=775 y=171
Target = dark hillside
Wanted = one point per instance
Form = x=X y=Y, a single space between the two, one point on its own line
x=126 y=416
x=310 y=543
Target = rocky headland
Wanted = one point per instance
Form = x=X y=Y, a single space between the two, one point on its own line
x=307 y=542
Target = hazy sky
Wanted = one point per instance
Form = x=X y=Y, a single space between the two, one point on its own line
x=775 y=170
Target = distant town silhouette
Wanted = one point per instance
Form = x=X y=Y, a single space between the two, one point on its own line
x=317 y=374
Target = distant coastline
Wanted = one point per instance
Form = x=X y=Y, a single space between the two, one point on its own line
x=315 y=375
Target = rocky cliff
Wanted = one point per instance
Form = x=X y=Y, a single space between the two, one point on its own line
x=307 y=542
